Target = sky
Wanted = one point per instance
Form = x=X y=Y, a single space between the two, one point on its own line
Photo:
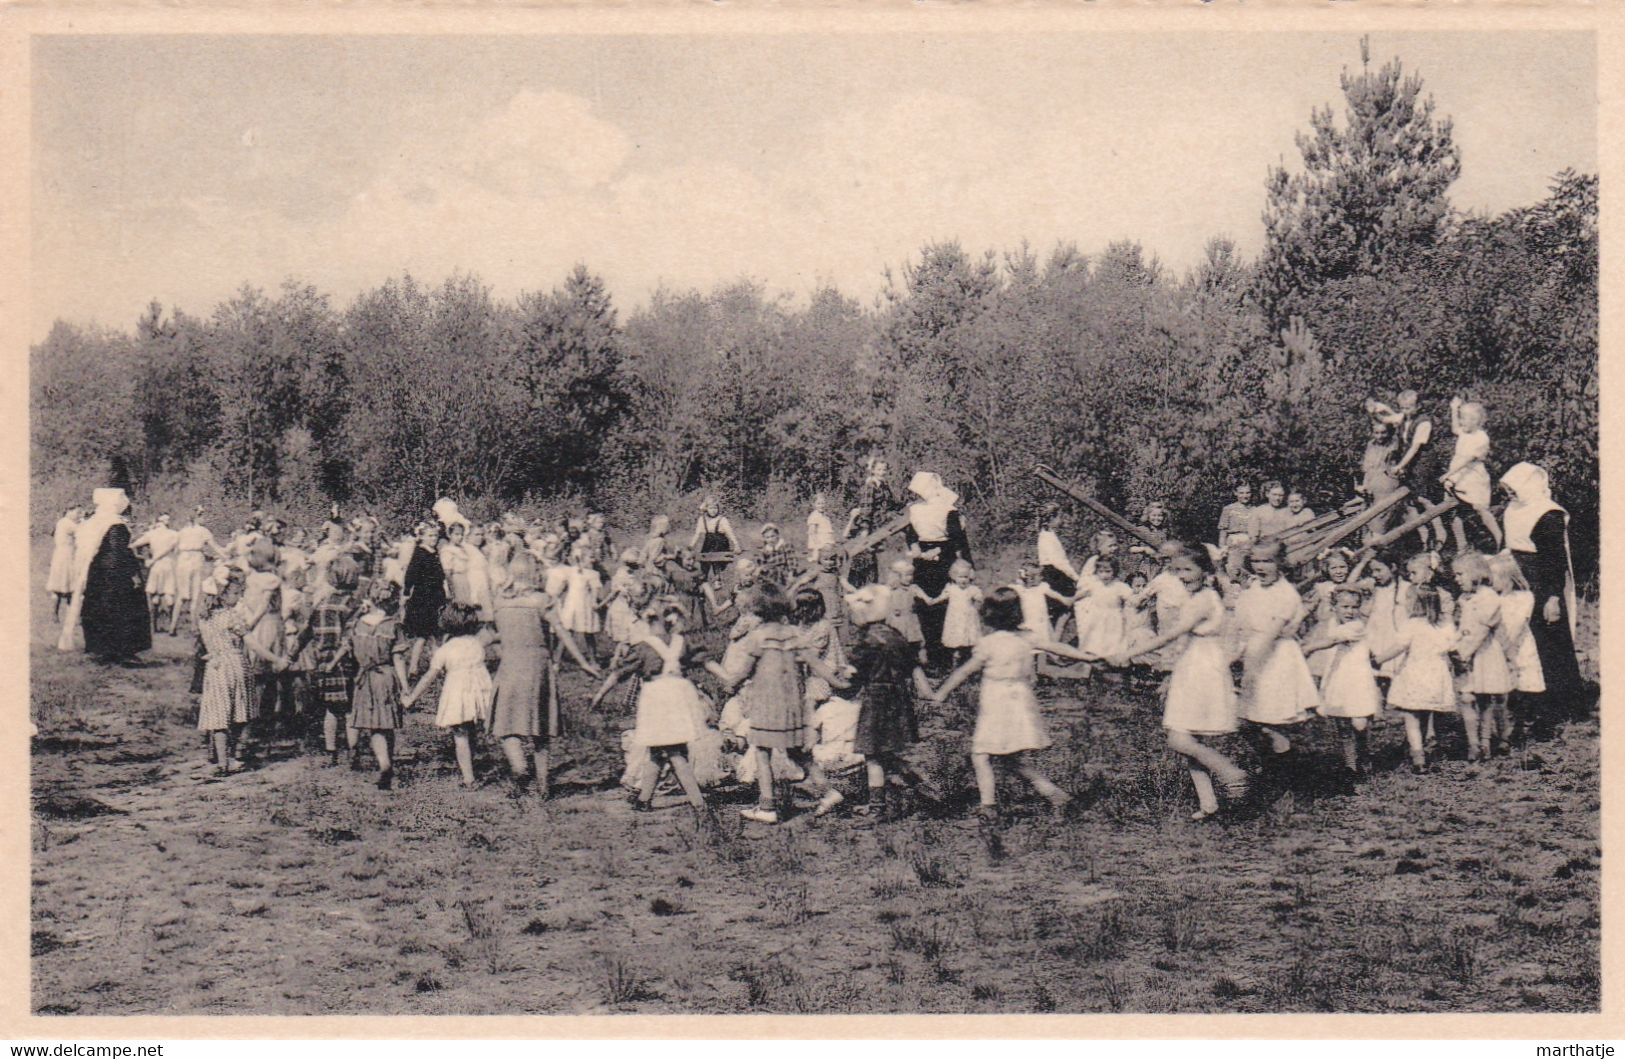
x=181 y=167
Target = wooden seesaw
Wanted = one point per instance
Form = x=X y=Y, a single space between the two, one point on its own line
x=1049 y=477
x=1305 y=546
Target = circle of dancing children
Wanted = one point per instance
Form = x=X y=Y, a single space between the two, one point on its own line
x=358 y=633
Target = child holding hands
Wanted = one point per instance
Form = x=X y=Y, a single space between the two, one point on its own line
x=1008 y=723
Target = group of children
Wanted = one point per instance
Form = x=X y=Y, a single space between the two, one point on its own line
x=779 y=655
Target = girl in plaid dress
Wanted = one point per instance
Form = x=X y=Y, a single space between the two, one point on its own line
x=332 y=671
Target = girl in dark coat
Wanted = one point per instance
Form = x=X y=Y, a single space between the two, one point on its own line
x=425 y=593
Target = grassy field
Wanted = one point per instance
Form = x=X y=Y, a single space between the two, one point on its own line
x=299 y=889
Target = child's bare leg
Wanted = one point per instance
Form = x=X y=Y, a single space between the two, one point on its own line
x=460 y=742
x=1208 y=758
x=987 y=788
x=1269 y=741
x=685 y=775
x=415 y=657
x=1041 y=783
x=1503 y=719
x=1459 y=530
x=876 y=774
x=1413 y=738
x=1470 y=722
x=1203 y=782
x=383 y=750
x=764 y=779
x=330 y=732
x=221 y=753
x=651 y=777
x=1490 y=525
x=513 y=748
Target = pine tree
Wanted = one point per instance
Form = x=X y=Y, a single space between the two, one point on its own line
x=1371 y=192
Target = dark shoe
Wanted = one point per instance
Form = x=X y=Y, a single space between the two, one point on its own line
x=386 y=779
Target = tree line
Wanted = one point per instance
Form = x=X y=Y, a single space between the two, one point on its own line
x=1141 y=383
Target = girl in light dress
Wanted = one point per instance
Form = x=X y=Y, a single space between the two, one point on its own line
x=620 y=612
x=60 y=581
x=1036 y=598
x=1424 y=685
x=579 y=604
x=1468 y=478
x=1517 y=608
x=1321 y=600
x=1100 y=611
x=1488 y=679
x=1420 y=569
x=671 y=713
x=194 y=545
x=1277 y=690
x=1008 y=723
x=455 y=561
x=820 y=531
x=465 y=696
x=962 y=622
x=480 y=581
x=1348 y=686
x=1200 y=700
x=657 y=547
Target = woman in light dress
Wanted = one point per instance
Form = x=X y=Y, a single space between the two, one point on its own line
x=60 y=580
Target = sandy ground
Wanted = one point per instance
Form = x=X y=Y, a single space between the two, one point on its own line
x=300 y=889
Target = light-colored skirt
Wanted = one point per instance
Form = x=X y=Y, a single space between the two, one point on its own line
x=465 y=697
x=161 y=578
x=1349 y=688
x=1008 y=720
x=1284 y=692
x=1424 y=684
x=1489 y=673
x=1201 y=698
x=667 y=706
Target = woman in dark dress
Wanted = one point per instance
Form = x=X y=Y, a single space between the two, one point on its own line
x=936 y=540
x=1537 y=534
x=106 y=582
x=116 y=622
x=425 y=593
